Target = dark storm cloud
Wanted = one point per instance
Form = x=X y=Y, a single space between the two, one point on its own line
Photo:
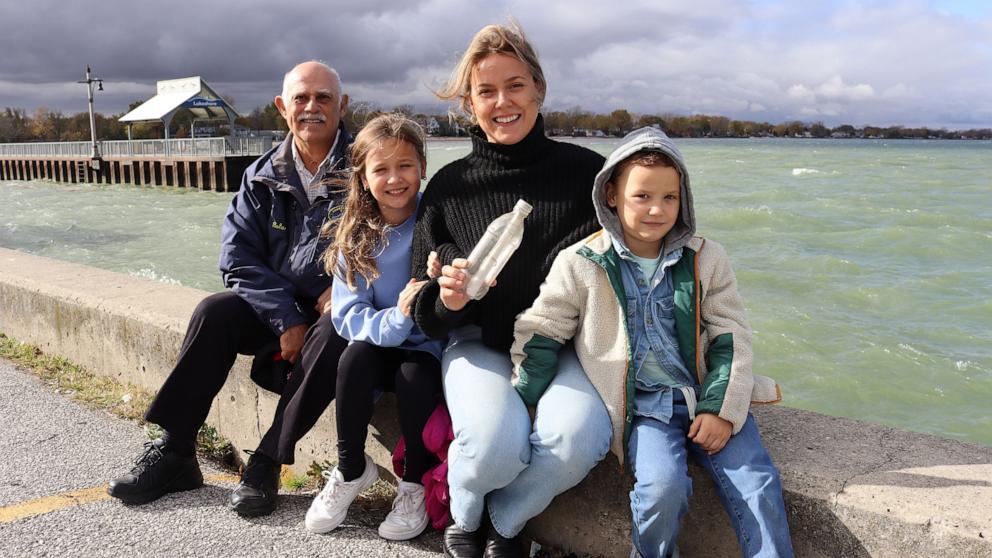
x=882 y=62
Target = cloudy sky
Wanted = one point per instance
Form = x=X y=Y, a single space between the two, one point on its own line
x=911 y=62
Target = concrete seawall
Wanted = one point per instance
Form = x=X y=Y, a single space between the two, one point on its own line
x=852 y=489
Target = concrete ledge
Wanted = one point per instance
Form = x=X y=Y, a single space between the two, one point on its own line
x=852 y=489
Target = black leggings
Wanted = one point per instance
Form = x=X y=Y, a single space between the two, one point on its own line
x=415 y=376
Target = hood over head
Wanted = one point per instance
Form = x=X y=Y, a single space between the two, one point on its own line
x=646 y=139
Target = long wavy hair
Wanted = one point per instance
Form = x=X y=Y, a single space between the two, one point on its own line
x=358 y=232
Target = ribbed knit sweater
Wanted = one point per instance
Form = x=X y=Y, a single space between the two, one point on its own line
x=466 y=195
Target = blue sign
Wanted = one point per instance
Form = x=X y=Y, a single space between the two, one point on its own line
x=201 y=102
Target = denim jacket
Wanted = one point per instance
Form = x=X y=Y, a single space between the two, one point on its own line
x=651 y=319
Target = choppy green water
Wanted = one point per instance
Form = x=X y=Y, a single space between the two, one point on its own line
x=866 y=266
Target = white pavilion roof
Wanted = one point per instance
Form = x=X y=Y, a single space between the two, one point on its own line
x=191 y=93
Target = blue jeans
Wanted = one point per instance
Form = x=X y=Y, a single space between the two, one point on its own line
x=498 y=455
x=743 y=473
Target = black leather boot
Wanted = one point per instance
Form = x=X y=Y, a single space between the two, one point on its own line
x=498 y=546
x=256 y=494
x=156 y=472
x=459 y=543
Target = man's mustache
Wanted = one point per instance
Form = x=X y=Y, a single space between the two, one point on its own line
x=311 y=116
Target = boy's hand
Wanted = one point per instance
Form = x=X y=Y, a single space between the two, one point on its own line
x=453 y=281
x=710 y=432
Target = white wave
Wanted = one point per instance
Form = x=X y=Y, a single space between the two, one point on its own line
x=802 y=171
x=146 y=273
x=910 y=348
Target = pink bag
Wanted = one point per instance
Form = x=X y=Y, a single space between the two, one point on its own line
x=437 y=436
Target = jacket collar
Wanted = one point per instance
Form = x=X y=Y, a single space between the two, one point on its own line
x=279 y=172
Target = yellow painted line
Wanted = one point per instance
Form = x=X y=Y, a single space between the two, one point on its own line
x=47 y=504
x=51 y=503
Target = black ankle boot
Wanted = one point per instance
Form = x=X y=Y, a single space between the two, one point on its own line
x=256 y=494
x=498 y=546
x=156 y=472
x=459 y=543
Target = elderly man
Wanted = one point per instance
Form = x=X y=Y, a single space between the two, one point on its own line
x=279 y=299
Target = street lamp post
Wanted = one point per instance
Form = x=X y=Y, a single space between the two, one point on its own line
x=90 y=81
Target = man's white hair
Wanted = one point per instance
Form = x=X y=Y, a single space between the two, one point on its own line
x=337 y=77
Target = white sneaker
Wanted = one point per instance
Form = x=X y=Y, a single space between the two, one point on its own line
x=409 y=516
x=330 y=507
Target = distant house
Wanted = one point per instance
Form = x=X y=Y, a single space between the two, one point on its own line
x=433 y=127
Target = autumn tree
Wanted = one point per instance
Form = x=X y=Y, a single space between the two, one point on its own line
x=14 y=125
x=620 y=122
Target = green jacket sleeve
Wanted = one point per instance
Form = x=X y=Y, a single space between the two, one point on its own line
x=541 y=330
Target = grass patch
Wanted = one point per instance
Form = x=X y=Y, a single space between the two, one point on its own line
x=316 y=470
x=100 y=392
x=295 y=482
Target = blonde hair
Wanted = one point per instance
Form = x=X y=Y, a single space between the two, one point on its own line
x=492 y=39
x=358 y=231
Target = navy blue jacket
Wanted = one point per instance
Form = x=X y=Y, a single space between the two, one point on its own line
x=270 y=246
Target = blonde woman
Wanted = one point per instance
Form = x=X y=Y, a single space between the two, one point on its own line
x=504 y=468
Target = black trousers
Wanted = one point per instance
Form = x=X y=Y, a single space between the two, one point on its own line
x=222 y=326
x=415 y=376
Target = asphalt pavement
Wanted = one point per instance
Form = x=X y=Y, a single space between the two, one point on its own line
x=57 y=456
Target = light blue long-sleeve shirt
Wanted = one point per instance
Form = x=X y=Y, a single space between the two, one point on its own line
x=370 y=313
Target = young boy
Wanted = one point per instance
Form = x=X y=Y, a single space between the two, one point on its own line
x=659 y=328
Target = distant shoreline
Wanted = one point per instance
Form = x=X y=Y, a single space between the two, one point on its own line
x=777 y=138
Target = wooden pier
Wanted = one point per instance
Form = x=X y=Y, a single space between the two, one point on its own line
x=204 y=163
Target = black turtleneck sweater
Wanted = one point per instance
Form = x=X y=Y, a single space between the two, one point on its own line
x=466 y=195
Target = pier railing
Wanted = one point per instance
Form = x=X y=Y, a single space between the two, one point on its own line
x=160 y=148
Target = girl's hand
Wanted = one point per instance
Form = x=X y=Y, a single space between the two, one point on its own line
x=453 y=281
x=407 y=295
x=324 y=302
x=433 y=265
x=710 y=432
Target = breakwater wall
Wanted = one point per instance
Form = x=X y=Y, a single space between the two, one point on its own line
x=852 y=489
x=220 y=174
x=205 y=163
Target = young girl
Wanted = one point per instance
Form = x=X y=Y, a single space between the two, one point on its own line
x=371 y=296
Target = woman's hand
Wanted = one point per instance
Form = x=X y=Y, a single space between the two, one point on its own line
x=710 y=432
x=453 y=281
x=407 y=295
x=433 y=265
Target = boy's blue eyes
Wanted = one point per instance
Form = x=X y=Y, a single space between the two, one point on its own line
x=670 y=197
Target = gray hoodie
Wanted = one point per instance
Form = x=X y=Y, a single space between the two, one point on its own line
x=646 y=139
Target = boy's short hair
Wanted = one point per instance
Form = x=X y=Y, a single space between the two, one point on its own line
x=642 y=158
